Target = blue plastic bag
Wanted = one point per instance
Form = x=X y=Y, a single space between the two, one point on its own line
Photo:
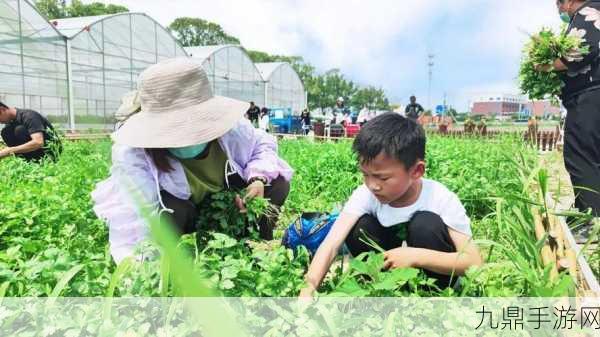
x=309 y=230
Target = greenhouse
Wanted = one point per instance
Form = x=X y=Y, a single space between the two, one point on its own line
x=33 y=60
x=231 y=72
x=284 y=87
x=76 y=70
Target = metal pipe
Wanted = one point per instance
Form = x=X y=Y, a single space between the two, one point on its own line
x=21 y=47
x=70 y=92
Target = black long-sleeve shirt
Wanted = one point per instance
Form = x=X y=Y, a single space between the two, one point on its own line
x=583 y=71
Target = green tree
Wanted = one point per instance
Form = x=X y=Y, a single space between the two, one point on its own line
x=260 y=57
x=371 y=97
x=324 y=90
x=305 y=70
x=52 y=9
x=59 y=9
x=79 y=9
x=193 y=32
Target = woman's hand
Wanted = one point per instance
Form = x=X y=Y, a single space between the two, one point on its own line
x=255 y=189
x=558 y=65
x=543 y=67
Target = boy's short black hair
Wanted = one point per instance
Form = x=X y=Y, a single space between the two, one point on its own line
x=3 y=106
x=400 y=138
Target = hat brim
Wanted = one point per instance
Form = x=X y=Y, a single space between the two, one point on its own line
x=196 y=124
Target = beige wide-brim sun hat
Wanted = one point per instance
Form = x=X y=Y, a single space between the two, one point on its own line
x=178 y=108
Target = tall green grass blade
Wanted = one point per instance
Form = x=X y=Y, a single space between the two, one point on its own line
x=64 y=281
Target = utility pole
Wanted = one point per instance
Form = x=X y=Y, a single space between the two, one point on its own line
x=430 y=64
x=445 y=109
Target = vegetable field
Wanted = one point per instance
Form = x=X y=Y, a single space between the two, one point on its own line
x=51 y=243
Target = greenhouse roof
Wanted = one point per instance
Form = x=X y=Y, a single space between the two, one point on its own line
x=204 y=52
x=267 y=69
x=71 y=27
x=34 y=26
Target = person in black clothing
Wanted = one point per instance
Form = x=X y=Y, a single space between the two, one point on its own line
x=581 y=97
x=253 y=113
x=27 y=134
x=305 y=119
x=414 y=109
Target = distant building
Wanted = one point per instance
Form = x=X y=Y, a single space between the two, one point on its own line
x=497 y=104
x=509 y=104
x=544 y=108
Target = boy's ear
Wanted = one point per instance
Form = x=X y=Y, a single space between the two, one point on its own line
x=418 y=170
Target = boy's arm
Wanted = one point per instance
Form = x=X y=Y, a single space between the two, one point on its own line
x=327 y=252
x=467 y=255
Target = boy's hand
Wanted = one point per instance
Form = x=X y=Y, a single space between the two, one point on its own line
x=307 y=292
x=402 y=257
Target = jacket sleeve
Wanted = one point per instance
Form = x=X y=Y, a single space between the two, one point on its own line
x=264 y=160
x=134 y=174
x=585 y=25
x=115 y=204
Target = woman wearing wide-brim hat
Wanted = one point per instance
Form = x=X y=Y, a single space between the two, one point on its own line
x=184 y=144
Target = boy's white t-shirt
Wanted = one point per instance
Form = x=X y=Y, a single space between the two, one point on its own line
x=434 y=197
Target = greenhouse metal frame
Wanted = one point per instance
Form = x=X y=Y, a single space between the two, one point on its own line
x=284 y=88
x=231 y=72
x=75 y=71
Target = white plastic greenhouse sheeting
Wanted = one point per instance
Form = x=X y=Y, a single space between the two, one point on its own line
x=284 y=87
x=231 y=72
x=76 y=70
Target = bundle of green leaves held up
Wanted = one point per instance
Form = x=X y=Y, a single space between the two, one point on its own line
x=537 y=77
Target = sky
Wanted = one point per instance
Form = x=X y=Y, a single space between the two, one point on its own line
x=384 y=43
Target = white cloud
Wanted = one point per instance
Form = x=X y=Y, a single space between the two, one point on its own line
x=366 y=39
x=507 y=23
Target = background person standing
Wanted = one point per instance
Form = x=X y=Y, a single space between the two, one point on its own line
x=264 y=120
x=253 y=114
x=414 y=110
x=305 y=119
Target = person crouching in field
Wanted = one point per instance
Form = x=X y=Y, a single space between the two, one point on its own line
x=391 y=153
x=184 y=144
x=28 y=135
